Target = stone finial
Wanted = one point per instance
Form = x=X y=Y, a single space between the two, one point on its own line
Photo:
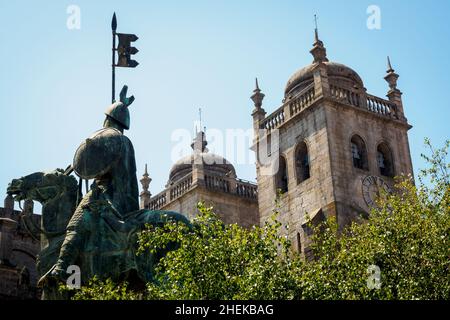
x=145 y=194
x=145 y=181
x=319 y=52
x=257 y=96
x=9 y=203
x=389 y=70
x=258 y=113
x=316 y=30
x=391 y=77
x=321 y=84
x=199 y=144
x=394 y=94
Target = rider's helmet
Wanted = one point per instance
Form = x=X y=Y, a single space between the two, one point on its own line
x=119 y=112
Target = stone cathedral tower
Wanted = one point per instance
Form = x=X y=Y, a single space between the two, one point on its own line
x=330 y=147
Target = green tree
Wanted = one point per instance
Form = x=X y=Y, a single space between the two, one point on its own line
x=218 y=261
x=104 y=290
x=405 y=238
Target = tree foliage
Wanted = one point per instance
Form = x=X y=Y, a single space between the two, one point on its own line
x=104 y=290
x=405 y=239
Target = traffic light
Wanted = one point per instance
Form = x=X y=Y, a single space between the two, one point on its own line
x=125 y=50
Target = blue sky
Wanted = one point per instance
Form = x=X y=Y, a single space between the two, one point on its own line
x=55 y=82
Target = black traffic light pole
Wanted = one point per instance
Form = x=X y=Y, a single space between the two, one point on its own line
x=113 y=27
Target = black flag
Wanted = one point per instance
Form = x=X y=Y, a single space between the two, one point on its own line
x=125 y=50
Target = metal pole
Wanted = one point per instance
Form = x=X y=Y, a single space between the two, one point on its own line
x=113 y=27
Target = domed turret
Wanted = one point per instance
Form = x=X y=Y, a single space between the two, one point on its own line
x=337 y=73
x=212 y=163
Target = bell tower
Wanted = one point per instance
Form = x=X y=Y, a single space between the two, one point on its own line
x=330 y=146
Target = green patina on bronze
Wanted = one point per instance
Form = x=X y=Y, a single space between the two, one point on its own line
x=98 y=234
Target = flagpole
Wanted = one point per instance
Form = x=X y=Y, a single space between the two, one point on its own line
x=113 y=27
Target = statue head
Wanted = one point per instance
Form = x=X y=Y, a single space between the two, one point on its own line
x=117 y=114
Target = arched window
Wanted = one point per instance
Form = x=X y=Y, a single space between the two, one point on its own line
x=299 y=243
x=282 y=175
x=359 y=153
x=384 y=160
x=302 y=162
x=269 y=145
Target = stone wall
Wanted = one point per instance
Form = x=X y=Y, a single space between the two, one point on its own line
x=327 y=125
x=231 y=208
x=310 y=196
x=373 y=129
x=18 y=252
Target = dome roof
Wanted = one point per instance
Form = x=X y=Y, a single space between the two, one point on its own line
x=212 y=163
x=336 y=72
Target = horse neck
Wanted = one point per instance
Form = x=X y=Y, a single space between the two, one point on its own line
x=56 y=212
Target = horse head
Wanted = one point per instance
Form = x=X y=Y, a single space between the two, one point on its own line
x=25 y=188
x=42 y=186
x=56 y=192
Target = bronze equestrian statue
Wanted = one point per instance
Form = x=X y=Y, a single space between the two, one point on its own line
x=99 y=233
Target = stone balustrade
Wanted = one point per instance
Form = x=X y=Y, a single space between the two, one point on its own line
x=348 y=96
x=381 y=106
x=217 y=183
x=295 y=105
x=246 y=189
x=302 y=100
x=181 y=187
x=274 y=120
x=224 y=184
x=172 y=193
x=158 y=201
x=239 y=187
